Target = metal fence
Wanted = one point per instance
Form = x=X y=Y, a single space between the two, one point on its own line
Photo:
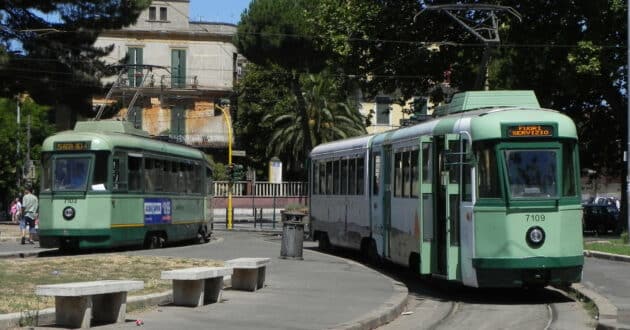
x=261 y=189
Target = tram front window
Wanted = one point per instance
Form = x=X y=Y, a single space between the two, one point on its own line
x=532 y=173
x=71 y=174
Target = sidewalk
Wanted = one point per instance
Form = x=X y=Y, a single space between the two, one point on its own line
x=320 y=292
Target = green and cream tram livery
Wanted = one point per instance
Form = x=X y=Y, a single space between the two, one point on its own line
x=106 y=184
x=485 y=194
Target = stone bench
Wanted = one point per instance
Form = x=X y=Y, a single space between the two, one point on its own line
x=196 y=286
x=249 y=273
x=77 y=304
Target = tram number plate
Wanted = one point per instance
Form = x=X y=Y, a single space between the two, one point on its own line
x=535 y=217
x=70 y=201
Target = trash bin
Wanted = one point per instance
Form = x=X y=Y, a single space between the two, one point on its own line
x=292 y=235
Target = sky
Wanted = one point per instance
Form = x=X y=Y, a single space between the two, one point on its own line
x=223 y=11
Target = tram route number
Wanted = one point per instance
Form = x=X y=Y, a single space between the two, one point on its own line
x=70 y=201
x=535 y=217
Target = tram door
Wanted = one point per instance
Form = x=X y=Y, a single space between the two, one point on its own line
x=447 y=204
x=387 y=198
x=428 y=263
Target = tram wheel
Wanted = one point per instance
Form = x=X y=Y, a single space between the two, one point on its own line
x=371 y=253
x=154 y=241
x=323 y=243
x=202 y=235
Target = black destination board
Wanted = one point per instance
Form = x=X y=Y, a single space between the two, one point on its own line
x=530 y=131
x=72 y=146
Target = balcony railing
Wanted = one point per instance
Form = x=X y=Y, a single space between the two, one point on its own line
x=163 y=81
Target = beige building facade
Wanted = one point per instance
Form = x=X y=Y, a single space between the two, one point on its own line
x=171 y=73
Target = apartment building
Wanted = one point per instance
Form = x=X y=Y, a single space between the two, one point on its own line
x=172 y=71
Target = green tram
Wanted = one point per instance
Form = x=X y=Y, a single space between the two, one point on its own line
x=486 y=194
x=106 y=184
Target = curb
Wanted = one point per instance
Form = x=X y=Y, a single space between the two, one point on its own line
x=608 y=314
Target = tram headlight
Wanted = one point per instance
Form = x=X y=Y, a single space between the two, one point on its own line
x=68 y=213
x=535 y=236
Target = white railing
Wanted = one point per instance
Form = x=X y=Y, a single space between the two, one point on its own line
x=261 y=189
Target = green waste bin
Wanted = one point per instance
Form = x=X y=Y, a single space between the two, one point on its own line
x=292 y=235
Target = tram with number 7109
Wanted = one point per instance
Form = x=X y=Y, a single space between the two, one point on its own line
x=486 y=194
x=106 y=184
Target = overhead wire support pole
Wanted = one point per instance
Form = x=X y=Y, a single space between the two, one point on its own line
x=484 y=26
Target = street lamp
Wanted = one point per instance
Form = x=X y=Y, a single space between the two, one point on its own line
x=228 y=123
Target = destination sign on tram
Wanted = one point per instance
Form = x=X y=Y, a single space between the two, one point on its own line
x=72 y=146
x=530 y=131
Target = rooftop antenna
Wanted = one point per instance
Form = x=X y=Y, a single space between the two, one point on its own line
x=482 y=22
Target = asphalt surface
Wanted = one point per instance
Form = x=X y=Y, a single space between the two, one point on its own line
x=324 y=291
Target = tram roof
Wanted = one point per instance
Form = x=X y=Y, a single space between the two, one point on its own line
x=351 y=145
x=109 y=134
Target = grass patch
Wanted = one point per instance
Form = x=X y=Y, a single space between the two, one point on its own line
x=18 y=277
x=616 y=246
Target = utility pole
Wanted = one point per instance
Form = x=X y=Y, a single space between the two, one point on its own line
x=228 y=123
x=17 y=137
x=627 y=156
x=28 y=164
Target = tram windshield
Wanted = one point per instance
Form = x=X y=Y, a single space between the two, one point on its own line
x=532 y=173
x=71 y=174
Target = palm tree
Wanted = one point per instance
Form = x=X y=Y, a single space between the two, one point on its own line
x=330 y=118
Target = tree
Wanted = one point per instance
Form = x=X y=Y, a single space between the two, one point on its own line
x=330 y=117
x=48 y=47
x=262 y=91
x=12 y=161
x=275 y=32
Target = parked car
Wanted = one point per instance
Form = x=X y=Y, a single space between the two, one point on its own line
x=601 y=218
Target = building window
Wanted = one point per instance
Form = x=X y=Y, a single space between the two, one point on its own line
x=382 y=110
x=152 y=16
x=163 y=16
x=178 y=68
x=134 y=73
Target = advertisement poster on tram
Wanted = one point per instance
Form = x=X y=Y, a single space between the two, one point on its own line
x=157 y=211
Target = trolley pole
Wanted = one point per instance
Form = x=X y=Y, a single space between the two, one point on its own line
x=228 y=123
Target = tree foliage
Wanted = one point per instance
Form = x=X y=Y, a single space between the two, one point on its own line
x=47 y=47
x=12 y=161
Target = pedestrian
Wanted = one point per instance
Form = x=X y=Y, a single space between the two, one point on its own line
x=29 y=205
x=15 y=210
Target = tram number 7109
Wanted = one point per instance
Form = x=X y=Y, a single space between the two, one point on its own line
x=535 y=217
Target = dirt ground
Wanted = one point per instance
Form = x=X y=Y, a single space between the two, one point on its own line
x=8 y=229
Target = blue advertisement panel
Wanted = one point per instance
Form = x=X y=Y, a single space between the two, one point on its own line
x=157 y=211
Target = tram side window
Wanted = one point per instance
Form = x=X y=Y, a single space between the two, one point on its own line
x=466 y=177
x=119 y=172
x=426 y=163
x=398 y=174
x=209 y=185
x=47 y=177
x=415 y=155
x=99 y=180
x=133 y=170
x=322 y=178
x=329 y=178
x=149 y=179
x=487 y=171
x=406 y=174
x=453 y=160
x=360 y=176
x=376 y=178
x=336 y=177
x=315 y=178
x=352 y=176
x=568 y=167
x=343 y=176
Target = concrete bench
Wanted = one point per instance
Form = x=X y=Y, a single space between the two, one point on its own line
x=249 y=273
x=196 y=286
x=77 y=304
